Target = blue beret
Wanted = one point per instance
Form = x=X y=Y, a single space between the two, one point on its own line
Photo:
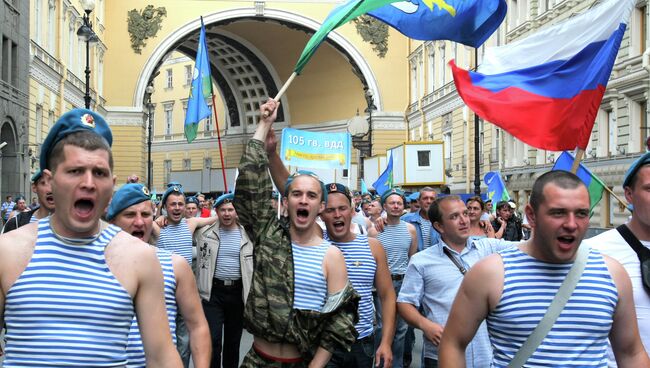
x=177 y=184
x=191 y=199
x=224 y=198
x=73 y=121
x=636 y=165
x=298 y=173
x=339 y=188
x=390 y=192
x=172 y=188
x=37 y=176
x=127 y=196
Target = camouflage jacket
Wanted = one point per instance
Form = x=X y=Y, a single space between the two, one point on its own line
x=269 y=309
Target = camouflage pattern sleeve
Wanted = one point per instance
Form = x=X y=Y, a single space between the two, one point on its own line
x=253 y=189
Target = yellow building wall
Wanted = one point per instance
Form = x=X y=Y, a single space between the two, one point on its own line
x=129 y=151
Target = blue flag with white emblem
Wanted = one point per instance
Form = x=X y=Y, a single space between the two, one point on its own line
x=469 y=22
x=385 y=180
x=197 y=108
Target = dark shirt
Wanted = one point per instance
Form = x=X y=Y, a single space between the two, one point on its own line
x=512 y=231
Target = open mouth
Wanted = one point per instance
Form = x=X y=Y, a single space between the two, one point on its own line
x=566 y=240
x=338 y=225
x=138 y=234
x=302 y=214
x=84 y=207
x=49 y=198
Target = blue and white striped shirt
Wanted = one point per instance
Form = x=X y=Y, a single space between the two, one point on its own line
x=134 y=348
x=396 y=240
x=578 y=337
x=361 y=266
x=310 y=290
x=228 y=267
x=67 y=308
x=425 y=226
x=177 y=239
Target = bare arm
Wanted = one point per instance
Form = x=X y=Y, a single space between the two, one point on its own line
x=152 y=314
x=279 y=172
x=386 y=293
x=197 y=222
x=189 y=305
x=334 y=270
x=414 y=240
x=624 y=335
x=502 y=228
x=432 y=331
x=478 y=295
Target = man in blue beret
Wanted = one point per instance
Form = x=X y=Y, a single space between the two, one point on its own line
x=176 y=236
x=132 y=210
x=191 y=207
x=79 y=278
x=43 y=191
x=628 y=243
x=224 y=272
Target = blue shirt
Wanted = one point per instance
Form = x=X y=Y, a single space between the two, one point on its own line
x=432 y=281
x=424 y=242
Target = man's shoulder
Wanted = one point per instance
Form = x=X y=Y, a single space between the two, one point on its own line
x=607 y=241
x=425 y=256
x=411 y=217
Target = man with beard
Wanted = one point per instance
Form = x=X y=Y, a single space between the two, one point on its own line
x=78 y=278
x=301 y=307
x=176 y=236
x=224 y=271
x=132 y=210
x=513 y=290
x=44 y=193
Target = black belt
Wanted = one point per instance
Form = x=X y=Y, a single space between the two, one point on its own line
x=397 y=277
x=370 y=337
x=226 y=283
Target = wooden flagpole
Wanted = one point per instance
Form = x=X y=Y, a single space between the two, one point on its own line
x=576 y=161
x=216 y=123
x=282 y=90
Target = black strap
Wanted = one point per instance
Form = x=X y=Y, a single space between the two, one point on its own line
x=460 y=266
x=642 y=252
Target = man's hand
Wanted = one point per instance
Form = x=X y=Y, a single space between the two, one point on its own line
x=271 y=143
x=379 y=224
x=269 y=111
x=433 y=332
x=162 y=221
x=384 y=352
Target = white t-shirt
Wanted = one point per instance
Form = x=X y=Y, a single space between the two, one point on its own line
x=612 y=244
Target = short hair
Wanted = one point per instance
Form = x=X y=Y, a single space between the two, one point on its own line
x=478 y=200
x=427 y=189
x=435 y=214
x=561 y=178
x=85 y=139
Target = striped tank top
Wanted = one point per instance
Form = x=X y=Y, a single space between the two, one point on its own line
x=396 y=240
x=177 y=239
x=361 y=268
x=228 y=267
x=67 y=308
x=425 y=227
x=310 y=290
x=578 y=337
x=134 y=348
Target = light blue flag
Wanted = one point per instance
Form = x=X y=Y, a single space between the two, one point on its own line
x=197 y=108
x=385 y=180
x=469 y=22
x=496 y=187
x=364 y=188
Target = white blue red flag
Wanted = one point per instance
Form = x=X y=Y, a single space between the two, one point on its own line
x=546 y=89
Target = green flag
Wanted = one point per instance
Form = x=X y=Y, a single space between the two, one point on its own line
x=338 y=17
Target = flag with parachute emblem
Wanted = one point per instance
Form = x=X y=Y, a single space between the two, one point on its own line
x=197 y=108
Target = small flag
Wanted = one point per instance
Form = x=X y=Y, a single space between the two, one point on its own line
x=469 y=22
x=595 y=186
x=338 y=17
x=546 y=89
x=385 y=180
x=496 y=190
x=197 y=108
x=364 y=188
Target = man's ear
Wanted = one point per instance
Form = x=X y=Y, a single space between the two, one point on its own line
x=530 y=214
x=47 y=176
x=438 y=226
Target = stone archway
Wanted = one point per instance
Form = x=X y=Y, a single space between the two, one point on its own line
x=9 y=164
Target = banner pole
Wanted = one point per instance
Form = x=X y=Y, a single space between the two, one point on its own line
x=216 y=121
x=282 y=90
x=576 y=162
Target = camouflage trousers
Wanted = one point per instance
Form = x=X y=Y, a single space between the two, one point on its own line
x=254 y=360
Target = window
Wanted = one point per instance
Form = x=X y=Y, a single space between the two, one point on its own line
x=513 y=11
x=169 y=118
x=208 y=121
x=38 y=123
x=50 y=122
x=345 y=173
x=51 y=22
x=446 y=138
x=431 y=76
x=414 y=81
x=207 y=163
x=187 y=163
x=188 y=75
x=167 y=169
x=170 y=78
x=72 y=36
x=100 y=76
x=442 y=64
x=638 y=31
x=424 y=158
x=611 y=133
x=643 y=123
x=38 y=10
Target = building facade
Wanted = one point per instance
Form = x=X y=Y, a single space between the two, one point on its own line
x=618 y=137
x=14 y=124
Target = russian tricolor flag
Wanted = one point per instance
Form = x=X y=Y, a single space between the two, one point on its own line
x=546 y=89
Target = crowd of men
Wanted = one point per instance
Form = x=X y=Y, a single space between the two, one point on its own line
x=321 y=278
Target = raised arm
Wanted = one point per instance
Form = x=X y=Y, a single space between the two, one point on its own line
x=478 y=295
x=386 y=293
x=279 y=172
x=189 y=305
x=624 y=335
x=151 y=312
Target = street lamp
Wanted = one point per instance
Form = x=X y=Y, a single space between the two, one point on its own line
x=360 y=127
x=149 y=91
x=86 y=34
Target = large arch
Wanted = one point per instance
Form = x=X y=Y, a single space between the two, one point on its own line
x=341 y=43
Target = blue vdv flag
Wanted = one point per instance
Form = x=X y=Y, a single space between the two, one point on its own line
x=385 y=180
x=364 y=188
x=197 y=108
x=496 y=187
x=469 y=22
